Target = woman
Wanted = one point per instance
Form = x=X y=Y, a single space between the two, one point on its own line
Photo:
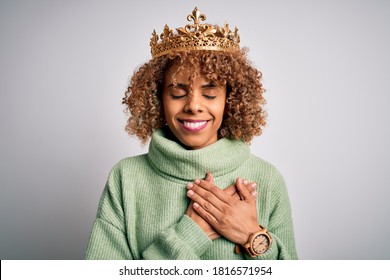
x=201 y=102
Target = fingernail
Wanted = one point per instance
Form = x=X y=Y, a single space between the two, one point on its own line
x=197 y=181
x=190 y=185
x=245 y=182
x=254 y=193
x=190 y=193
x=253 y=185
x=240 y=180
x=196 y=205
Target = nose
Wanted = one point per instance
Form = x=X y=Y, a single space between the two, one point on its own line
x=193 y=104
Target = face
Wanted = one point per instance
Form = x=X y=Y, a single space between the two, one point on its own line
x=193 y=110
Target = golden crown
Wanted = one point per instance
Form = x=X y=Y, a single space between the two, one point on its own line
x=196 y=36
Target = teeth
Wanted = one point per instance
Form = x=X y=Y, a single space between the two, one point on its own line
x=193 y=124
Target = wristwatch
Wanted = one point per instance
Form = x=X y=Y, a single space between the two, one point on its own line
x=258 y=242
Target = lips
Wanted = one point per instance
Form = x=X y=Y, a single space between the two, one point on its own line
x=193 y=125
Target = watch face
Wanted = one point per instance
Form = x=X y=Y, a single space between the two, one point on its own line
x=260 y=244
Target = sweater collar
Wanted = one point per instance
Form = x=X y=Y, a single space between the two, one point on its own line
x=172 y=160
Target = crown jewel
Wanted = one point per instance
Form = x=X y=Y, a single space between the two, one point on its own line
x=195 y=36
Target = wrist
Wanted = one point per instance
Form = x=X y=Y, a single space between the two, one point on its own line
x=252 y=229
x=258 y=242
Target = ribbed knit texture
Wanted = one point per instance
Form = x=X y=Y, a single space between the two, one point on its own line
x=141 y=213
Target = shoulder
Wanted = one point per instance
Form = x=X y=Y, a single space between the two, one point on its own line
x=126 y=167
x=129 y=163
x=270 y=178
x=265 y=174
x=264 y=167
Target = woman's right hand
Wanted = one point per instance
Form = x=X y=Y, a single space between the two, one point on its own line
x=230 y=190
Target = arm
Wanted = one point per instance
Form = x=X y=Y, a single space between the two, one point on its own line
x=230 y=191
x=190 y=237
x=108 y=238
x=235 y=220
x=232 y=218
x=280 y=224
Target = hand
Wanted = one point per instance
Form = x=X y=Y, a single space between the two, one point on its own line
x=231 y=191
x=234 y=219
x=211 y=233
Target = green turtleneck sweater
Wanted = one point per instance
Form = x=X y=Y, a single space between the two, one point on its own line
x=141 y=213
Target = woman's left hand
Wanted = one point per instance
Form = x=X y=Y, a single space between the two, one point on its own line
x=232 y=218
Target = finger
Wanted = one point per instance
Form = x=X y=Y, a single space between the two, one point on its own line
x=252 y=189
x=207 y=216
x=232 y=191
x=190 y=209
x=217 y=192
x=250 y=186
x=243 y=191
x=245 y=182
x=209 y=177
x=206 y=196
x=205 y=204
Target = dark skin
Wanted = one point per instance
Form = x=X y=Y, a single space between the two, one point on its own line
x=194 y=109
x=238 y=206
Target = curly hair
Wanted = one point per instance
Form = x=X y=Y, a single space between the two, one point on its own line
x=244 y=115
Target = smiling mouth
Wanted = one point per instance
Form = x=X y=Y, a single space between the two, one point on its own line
x=193 y=126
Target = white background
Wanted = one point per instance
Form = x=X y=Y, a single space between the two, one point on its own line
x=199 y=270
x=64 y=66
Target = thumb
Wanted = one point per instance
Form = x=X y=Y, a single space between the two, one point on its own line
x=230 y=190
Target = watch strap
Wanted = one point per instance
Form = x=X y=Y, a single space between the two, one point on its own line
x=247 y=247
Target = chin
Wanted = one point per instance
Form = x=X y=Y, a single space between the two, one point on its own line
x=195 y=143
x=192 y=145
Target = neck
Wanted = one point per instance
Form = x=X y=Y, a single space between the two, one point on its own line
x=169 y=158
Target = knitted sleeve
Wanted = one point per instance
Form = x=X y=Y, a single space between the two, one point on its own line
x=182 y=241
x=280 y=225
x=108 y=238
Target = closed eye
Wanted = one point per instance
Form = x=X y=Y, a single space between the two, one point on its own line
x=209 y=91
x=178 y=96
x=209 y=96
x=178 y=91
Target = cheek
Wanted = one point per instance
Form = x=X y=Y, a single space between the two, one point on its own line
x=219 y=110
x=165 y=109
x=170 y=108
x=165 y=104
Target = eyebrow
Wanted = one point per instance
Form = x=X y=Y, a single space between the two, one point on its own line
x=209 y=85
x=180 y=85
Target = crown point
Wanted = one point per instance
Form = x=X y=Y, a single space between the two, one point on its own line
x=196 y=16
x=154 y=38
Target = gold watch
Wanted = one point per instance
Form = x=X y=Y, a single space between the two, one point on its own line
x=258 y=242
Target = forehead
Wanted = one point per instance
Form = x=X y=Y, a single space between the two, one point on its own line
x=183 y=71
